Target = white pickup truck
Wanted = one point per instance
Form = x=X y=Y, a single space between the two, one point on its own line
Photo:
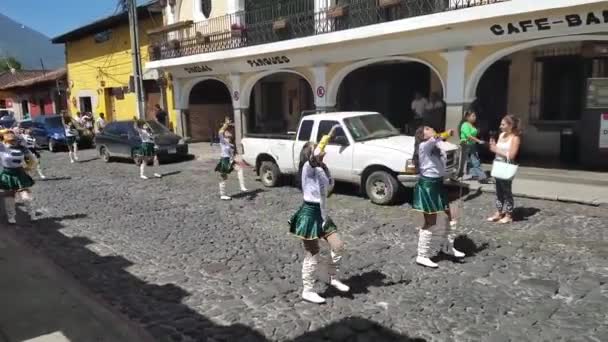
x=366 y=150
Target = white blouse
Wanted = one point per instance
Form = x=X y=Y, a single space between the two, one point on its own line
x=431 y=164
x=315 y=185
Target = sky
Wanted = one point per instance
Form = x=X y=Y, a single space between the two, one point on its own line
x=54 y=17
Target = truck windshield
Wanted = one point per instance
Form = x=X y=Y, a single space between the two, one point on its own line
x=54 y=122
x=157 y=128
x=368 y=127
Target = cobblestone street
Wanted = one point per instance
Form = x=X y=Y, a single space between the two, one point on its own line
x=171 y=257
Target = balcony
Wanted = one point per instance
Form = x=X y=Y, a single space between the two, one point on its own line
x=289 y=20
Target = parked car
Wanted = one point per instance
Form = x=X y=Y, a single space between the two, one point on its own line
x=7 y=118
x=119 y=139
x=49 y=132
x=366 y=150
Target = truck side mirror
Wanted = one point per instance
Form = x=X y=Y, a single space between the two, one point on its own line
x=341 y=140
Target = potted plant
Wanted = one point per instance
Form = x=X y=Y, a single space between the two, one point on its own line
x=337 y=11
x=237 y=30
x=388 y=3
x=202 y=39
x=174 y=44
x=154 y=51
x=279 y=24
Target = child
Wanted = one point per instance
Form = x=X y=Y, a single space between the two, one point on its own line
x=71 y=133
x=430 y=197
x=227 y=163
x=13 y=178
x=311 y=222
x=30 y=143
x=147 y=148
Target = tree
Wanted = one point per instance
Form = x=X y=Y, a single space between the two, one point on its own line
x=8 y=63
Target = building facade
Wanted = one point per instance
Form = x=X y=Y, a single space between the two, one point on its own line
x=100 y=69
x=32 y=93
x=266 y=61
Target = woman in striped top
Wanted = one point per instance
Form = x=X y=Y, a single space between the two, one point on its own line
x=13 y=178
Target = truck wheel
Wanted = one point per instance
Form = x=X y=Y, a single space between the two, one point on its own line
x=270 y=174
x=381 y=187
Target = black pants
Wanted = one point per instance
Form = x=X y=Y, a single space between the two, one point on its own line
x=504 y=196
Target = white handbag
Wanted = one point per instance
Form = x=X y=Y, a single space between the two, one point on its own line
x=504 y=170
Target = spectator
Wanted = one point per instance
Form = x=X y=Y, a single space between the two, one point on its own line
x=435 y=112
x=468 y=139
x=101 y=123
x=161 y=115
x=419 y=105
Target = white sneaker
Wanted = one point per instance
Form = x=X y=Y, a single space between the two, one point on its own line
x=11 y=220
x=158 y=175
x=42 y=177
x=450 y=250
x=143 y=177
x=426 y=262
x=244 y=190
x=312 y=297
x=453 y=223
x=339 y=285
x=225 y=198
x=72 y=161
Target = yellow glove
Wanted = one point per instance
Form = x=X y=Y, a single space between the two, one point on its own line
x=323 y=143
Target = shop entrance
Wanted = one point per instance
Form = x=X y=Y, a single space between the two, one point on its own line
x=209 y=104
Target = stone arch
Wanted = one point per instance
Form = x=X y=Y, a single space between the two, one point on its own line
x=482 y=67
x=187 y=88
x=247 y=88
x=334 y=85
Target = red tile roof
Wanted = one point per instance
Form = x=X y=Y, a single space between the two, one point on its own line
x=29 y=77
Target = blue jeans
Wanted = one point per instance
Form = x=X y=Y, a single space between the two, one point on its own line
x=473 y=162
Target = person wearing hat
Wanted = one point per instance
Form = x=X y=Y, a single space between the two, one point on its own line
x=147 y=148
x=311 y=222
x=227 y=162
x=14 y=179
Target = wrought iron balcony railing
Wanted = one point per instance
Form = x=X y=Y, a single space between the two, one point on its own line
x=292 y=19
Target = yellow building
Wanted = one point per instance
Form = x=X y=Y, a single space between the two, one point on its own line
x=100 y=69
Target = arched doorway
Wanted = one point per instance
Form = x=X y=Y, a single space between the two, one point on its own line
x=208 y=105
x=276 y=102
x=544 y=83
x=390 y=87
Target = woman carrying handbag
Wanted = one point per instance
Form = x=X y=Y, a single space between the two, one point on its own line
x=503 y=169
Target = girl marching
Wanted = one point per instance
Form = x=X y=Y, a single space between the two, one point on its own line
x=311 y=222
x=430 y=197
x=71 y=135
x=30 y=143
x=147 y=148
x=227 y=161
x=14 y=179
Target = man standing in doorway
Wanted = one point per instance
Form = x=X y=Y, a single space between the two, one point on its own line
x=101 y=123
x=419 y=105
x=435 y=113
x=161 y=115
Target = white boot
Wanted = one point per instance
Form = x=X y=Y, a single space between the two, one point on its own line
x=223 y=195
x=9 y=207
x=309 y=266
x=28 y=202
x=334 y=268
x=142 y=170
x=241 y=176
x=40 y=174
x=71 y=156
x=447 y=245
x=75 y=151
x=425 y=248
x=157 y=165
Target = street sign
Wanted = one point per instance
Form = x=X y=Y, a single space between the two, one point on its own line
x=604 y=130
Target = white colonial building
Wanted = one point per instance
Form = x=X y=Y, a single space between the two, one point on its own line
x=266 y=61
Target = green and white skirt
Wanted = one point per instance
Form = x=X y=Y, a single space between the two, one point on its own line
x=147 y=149
x=15 y=179
x=70 y=140
x=430 y=195
x=307 y=223
x=225 y=166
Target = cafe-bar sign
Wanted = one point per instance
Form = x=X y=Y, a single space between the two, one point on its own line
x=547 y=24
x=198 y=68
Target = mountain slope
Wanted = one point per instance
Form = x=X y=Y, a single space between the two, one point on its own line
x=28 y=46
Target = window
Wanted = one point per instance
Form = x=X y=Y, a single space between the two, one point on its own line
x=563 y=85
x=368 y=127
x=103 y=36
x=206 y=7
x=325 y=126
x=305 y=130
x=112 y=129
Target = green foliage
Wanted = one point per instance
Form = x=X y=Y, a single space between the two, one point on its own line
x=6 y=63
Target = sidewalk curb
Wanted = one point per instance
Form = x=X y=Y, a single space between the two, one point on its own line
x=492 y=190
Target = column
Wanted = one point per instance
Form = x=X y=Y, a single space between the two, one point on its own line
x=235 y=88
x=178 y=106
x=319 y=88
x=455 y=85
